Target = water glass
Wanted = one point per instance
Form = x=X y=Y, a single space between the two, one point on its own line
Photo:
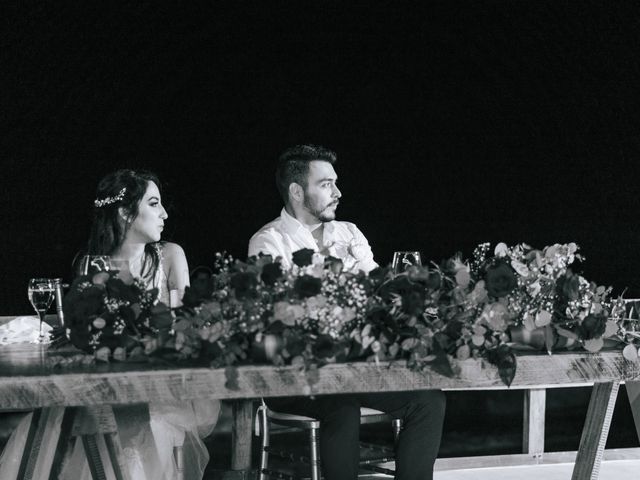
x=41 y=292
x=405 y=259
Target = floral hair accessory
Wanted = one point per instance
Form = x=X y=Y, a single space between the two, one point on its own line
x=110 y=200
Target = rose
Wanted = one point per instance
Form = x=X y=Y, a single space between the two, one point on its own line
x=80 y=304
x=307 y=286
x=429 y=278
x=569 y=286
x=324 y=347
x=479 y=293
x=302 y=257
x=271 y=273
x=287 y=313
x=413 y=301
x=500 y=280
x=593 y=326
x=334 y=264
x=496 y=316
x=116 y=288
x=161 y=317
x=244 y=284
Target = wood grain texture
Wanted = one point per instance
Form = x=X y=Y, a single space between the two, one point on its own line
x=633 y=393
x=533 y=422
x=241 y=434
x=595 y=431
x=41 y=447
x=28 y=378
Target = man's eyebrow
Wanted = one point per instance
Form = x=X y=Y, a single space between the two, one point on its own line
x=327 y=179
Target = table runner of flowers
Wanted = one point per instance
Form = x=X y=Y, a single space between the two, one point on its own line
x=316 y=313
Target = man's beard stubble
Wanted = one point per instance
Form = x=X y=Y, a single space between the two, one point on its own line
x=319 y=214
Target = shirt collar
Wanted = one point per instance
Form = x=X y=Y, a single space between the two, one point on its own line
x=291 y=225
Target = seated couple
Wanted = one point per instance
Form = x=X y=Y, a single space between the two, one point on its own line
x=127 y=225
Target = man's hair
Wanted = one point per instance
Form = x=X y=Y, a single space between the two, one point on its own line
x=293 y=166
x=200 y=269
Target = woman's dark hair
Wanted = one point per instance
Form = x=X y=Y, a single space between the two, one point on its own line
x=122 y=189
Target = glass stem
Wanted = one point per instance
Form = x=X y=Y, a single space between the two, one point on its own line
x=41 y=313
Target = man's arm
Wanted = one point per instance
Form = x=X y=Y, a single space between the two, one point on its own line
x=361 y=250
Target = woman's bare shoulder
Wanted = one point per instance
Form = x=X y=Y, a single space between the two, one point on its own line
x=172 y=250
x=173 y=255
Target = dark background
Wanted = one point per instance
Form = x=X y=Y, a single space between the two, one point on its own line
x=455 y=123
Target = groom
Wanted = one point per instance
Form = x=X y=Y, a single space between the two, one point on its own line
x=306 y=180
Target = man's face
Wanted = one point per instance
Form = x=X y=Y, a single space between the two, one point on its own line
x=322 y=194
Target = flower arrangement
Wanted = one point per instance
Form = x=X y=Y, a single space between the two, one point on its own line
x=262 y=312
x=320 y=311
x=108 y=317
x=521 y=295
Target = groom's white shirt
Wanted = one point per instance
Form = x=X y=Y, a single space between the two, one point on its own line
x=285 y=235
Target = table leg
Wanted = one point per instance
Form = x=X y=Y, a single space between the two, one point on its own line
x=533 y=422
x=595 y=431
x=633 y=392
x=43 y=443
x=241 y=434
x=99 y=432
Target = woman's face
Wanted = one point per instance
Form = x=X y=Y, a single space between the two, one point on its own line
x=147 y=226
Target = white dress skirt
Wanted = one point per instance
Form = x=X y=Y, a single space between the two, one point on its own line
x=147 y=442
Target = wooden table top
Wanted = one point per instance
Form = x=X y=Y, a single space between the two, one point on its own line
x=31 y=377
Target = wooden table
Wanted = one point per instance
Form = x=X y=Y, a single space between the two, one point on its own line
x=28 y=380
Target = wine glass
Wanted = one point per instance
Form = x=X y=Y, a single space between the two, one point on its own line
x=41 y=292
x=95 y=263
x=405 y=259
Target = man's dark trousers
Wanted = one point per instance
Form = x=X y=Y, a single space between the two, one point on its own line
x=422 y=414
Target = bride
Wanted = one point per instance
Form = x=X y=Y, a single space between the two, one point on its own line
x=127 y=225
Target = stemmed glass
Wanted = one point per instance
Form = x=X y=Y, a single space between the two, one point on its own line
x=94 y=264
x=41 y=292
x=405 y=259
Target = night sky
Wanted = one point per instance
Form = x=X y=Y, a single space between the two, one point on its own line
x=454 y=122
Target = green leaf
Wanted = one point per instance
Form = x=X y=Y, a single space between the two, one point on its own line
x=503 y=358
x=231 y=374
x=409 y=343
x=441 y=363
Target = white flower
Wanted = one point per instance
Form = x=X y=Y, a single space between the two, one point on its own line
x=501 y=250
x=317 y=259
x=534 y=288
x=520 y=267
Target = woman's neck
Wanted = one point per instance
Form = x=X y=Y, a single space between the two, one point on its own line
x=130 y=254
x=129 y=251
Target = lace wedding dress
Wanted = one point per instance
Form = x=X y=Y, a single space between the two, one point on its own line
x=147 y=440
